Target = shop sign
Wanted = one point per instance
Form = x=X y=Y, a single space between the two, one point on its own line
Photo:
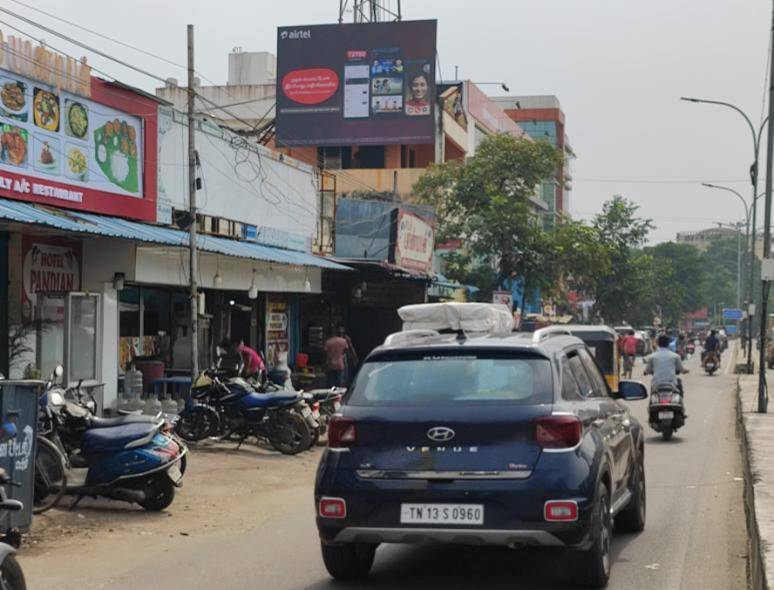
x=503 y=298
x=414 y=243
x=68 y=140
x=21 y=56
x=49 y=265
x=277 y=336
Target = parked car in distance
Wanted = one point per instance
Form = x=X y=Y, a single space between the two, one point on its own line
x=506 y=440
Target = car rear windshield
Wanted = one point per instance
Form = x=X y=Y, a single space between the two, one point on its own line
x=457 y=377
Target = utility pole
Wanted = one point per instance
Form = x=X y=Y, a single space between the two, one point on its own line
x=763 y=400
x=192 y=267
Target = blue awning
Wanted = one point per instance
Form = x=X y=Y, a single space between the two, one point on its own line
x=115 y=227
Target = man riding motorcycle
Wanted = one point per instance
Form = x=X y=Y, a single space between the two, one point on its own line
x=711 y=348
x=665 y=366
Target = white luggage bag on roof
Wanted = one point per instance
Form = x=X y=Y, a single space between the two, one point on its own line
x=492 y=318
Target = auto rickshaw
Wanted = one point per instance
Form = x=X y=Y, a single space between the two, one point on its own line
x=602 y=342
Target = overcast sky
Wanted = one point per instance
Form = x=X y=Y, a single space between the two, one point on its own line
x=618 y=69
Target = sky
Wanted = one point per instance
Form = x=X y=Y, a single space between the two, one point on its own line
x=618 y=69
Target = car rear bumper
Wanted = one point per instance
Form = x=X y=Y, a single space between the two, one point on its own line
x=452 y=536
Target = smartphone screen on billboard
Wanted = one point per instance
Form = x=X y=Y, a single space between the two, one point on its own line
x=356 y=84
x=386 y=81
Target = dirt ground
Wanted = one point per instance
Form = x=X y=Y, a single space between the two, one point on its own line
x=223 y=489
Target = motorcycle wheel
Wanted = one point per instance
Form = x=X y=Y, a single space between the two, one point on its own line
x=666 y=432
x=50 y=482
x=196 y=424
x=289 y=433
x=11 y=575
x=160 y=492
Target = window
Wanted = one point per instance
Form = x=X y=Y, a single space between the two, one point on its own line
x=456 y=377
x=597 y=380
x=570 y=389
x=576 y=366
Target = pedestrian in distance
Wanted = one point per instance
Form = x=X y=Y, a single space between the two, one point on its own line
x=335 y=358
x=629 y=346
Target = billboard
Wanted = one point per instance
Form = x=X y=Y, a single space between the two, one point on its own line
x=70 y=140
x=356 y=84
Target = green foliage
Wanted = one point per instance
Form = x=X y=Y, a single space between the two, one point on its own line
x=486 y=201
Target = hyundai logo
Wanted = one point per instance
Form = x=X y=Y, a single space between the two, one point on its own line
x=440 y=434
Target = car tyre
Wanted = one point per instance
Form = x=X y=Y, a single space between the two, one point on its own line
x=632 y=518
x=591 y=568
x=348 y=561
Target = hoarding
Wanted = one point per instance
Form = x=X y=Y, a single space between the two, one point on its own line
x=414 y=242
x=356 y=84
x=60 y=148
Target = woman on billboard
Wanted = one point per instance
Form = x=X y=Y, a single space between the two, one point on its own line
x=418 y=95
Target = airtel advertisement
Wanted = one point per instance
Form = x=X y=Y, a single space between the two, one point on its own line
x=356 y=84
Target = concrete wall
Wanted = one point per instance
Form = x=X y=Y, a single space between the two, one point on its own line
x=241 y=181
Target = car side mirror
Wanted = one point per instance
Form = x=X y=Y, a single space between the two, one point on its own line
x=632 y=390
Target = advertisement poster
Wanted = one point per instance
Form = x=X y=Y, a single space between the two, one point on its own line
x=503 y=298
x=356 y=84
x=56 y=136
x=74 y=141
x=50 y=265
x=277 y=335
x=414 y=242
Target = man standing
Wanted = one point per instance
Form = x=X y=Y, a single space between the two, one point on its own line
x=350 y=357
x=336 y=348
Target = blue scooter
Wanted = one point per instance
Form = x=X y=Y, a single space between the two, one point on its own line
x=128 y=458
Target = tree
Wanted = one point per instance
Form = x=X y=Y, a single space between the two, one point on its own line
x=622 y=292
x=486 y=201
x=686 y=267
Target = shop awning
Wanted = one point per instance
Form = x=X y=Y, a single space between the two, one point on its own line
x=115 y=227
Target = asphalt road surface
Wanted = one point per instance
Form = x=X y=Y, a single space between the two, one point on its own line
x=695 y=535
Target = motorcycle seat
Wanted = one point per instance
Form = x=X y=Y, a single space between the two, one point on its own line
x=269 y=400
x=118 y=438
x=97 y=422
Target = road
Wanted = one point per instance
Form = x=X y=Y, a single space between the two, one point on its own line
x=695 y=535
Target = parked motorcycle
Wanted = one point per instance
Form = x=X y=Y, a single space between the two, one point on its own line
x=666 y=411
x=231 y=408
x=129 y=458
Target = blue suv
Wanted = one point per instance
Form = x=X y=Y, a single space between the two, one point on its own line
x=512 y=441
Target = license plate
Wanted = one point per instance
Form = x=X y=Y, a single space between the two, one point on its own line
x=666 y=415
x=174 y=473
x=442 y=514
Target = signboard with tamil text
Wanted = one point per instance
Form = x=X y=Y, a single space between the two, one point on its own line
x=414 y=242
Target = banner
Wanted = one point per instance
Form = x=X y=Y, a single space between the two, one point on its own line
x=414 y=242
x=356 y=84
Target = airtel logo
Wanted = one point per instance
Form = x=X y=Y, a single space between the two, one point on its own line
x=297 y=34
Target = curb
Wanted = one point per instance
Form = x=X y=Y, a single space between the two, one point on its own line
x=756 y=570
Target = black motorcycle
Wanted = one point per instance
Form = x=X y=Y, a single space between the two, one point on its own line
x=230 y=408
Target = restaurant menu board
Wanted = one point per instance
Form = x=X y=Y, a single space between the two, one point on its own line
x=63 y=137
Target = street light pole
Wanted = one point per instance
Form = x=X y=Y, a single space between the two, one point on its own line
x=756 y=137
x=763 y=397
x=750 y=265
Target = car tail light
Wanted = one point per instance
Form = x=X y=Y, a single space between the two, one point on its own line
x=333 y=508
x=558 y=432
x=561 y=511
x=342 y=432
